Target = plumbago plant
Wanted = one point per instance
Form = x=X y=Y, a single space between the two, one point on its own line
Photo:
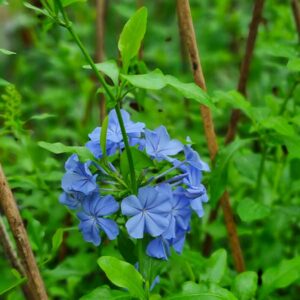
x=129 y=182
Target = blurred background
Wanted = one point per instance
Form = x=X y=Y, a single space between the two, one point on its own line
x=46 y=95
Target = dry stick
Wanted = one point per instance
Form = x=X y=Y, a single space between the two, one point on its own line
x=100 y=25
x=296 y=13
x=12 y=257
x=31 y=271
x=244 y=73
x=242 y=84
x=186 y=25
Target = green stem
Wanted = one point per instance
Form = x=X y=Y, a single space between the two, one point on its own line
x=129 y=155
x=68 y=25
x=261 y=169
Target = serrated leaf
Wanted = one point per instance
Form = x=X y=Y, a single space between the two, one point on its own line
x=154 y=80
x=123 y=275
x=189 y=90
x=132 y=35
x=109 y=68
x=249 y=210
x=245 y=285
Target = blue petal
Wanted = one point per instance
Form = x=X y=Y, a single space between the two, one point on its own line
x=158 y=248
x=131 y=206
x=110 y=227
x=135 y=226
x=107 y=205
x=196 y=205
x=156 y=224
x=89 y=229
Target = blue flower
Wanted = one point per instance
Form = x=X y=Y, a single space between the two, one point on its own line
x=78 y=177
x=159 y=145
x=92 y=221
x=114 y=138
x=193 y=159
x=180 y=212
x=195 y=189
x=72 y=200
x=149 y=212
x=160 y=247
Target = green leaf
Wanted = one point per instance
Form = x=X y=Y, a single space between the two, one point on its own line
x=66 y=3
x=216 y=266
x=154 y=80
x=103 y=136
x=57 y=239
x=4 y=82
x=109 y=68
x=249 y=210
x=281 y=276
x=140 y=161
x=123 y=275
x=189 y=90
x=42 y=116
x=236 y=100
x=245 y=285
x=218 y=177
x=39 y=11
x=6 y=52
x=132 y=35
x=104 y=292
x=59 y=148
x=294 y=64
x=194 y=291
x=280 y=125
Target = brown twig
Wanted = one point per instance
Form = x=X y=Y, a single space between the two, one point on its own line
x=100 y=53
x=186 y=25
x=244 y=72
x=31 y=271
x=242 y=84
x=296 y=13
x=12 y=257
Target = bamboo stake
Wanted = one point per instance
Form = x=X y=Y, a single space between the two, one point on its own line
x=296 y=13
x=187 y=28
x=242 y=85
x=244 y=72
x=12 y=257
x=31 y=271
x=100 y=53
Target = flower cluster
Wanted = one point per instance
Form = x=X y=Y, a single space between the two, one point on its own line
x=169 y=189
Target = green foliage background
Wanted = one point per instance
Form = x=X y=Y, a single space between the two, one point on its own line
x=49 y=100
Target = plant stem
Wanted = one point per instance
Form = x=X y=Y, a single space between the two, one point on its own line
x=128 y=152
x=68 y=25
x=261 y=169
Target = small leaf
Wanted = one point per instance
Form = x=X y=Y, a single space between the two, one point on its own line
x=154 y=80
x=132 y=35
x=103 y=136
x=189 y=90
x=280 y=125
x=57 y=239
x=109 y=68
x=37 y=10
x=218 y=177
x=245 y=285
x=216 y=266
x=123 y=275
x=249 y=210
x=281 y=276
x=42 y=116
x=66 y=3
x=294 y=64
x=4 y=82
x=6 y=52
x=59 y=148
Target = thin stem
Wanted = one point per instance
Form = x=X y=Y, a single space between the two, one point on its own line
x=128 y=152
x=261 y=169
x=68 y=25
